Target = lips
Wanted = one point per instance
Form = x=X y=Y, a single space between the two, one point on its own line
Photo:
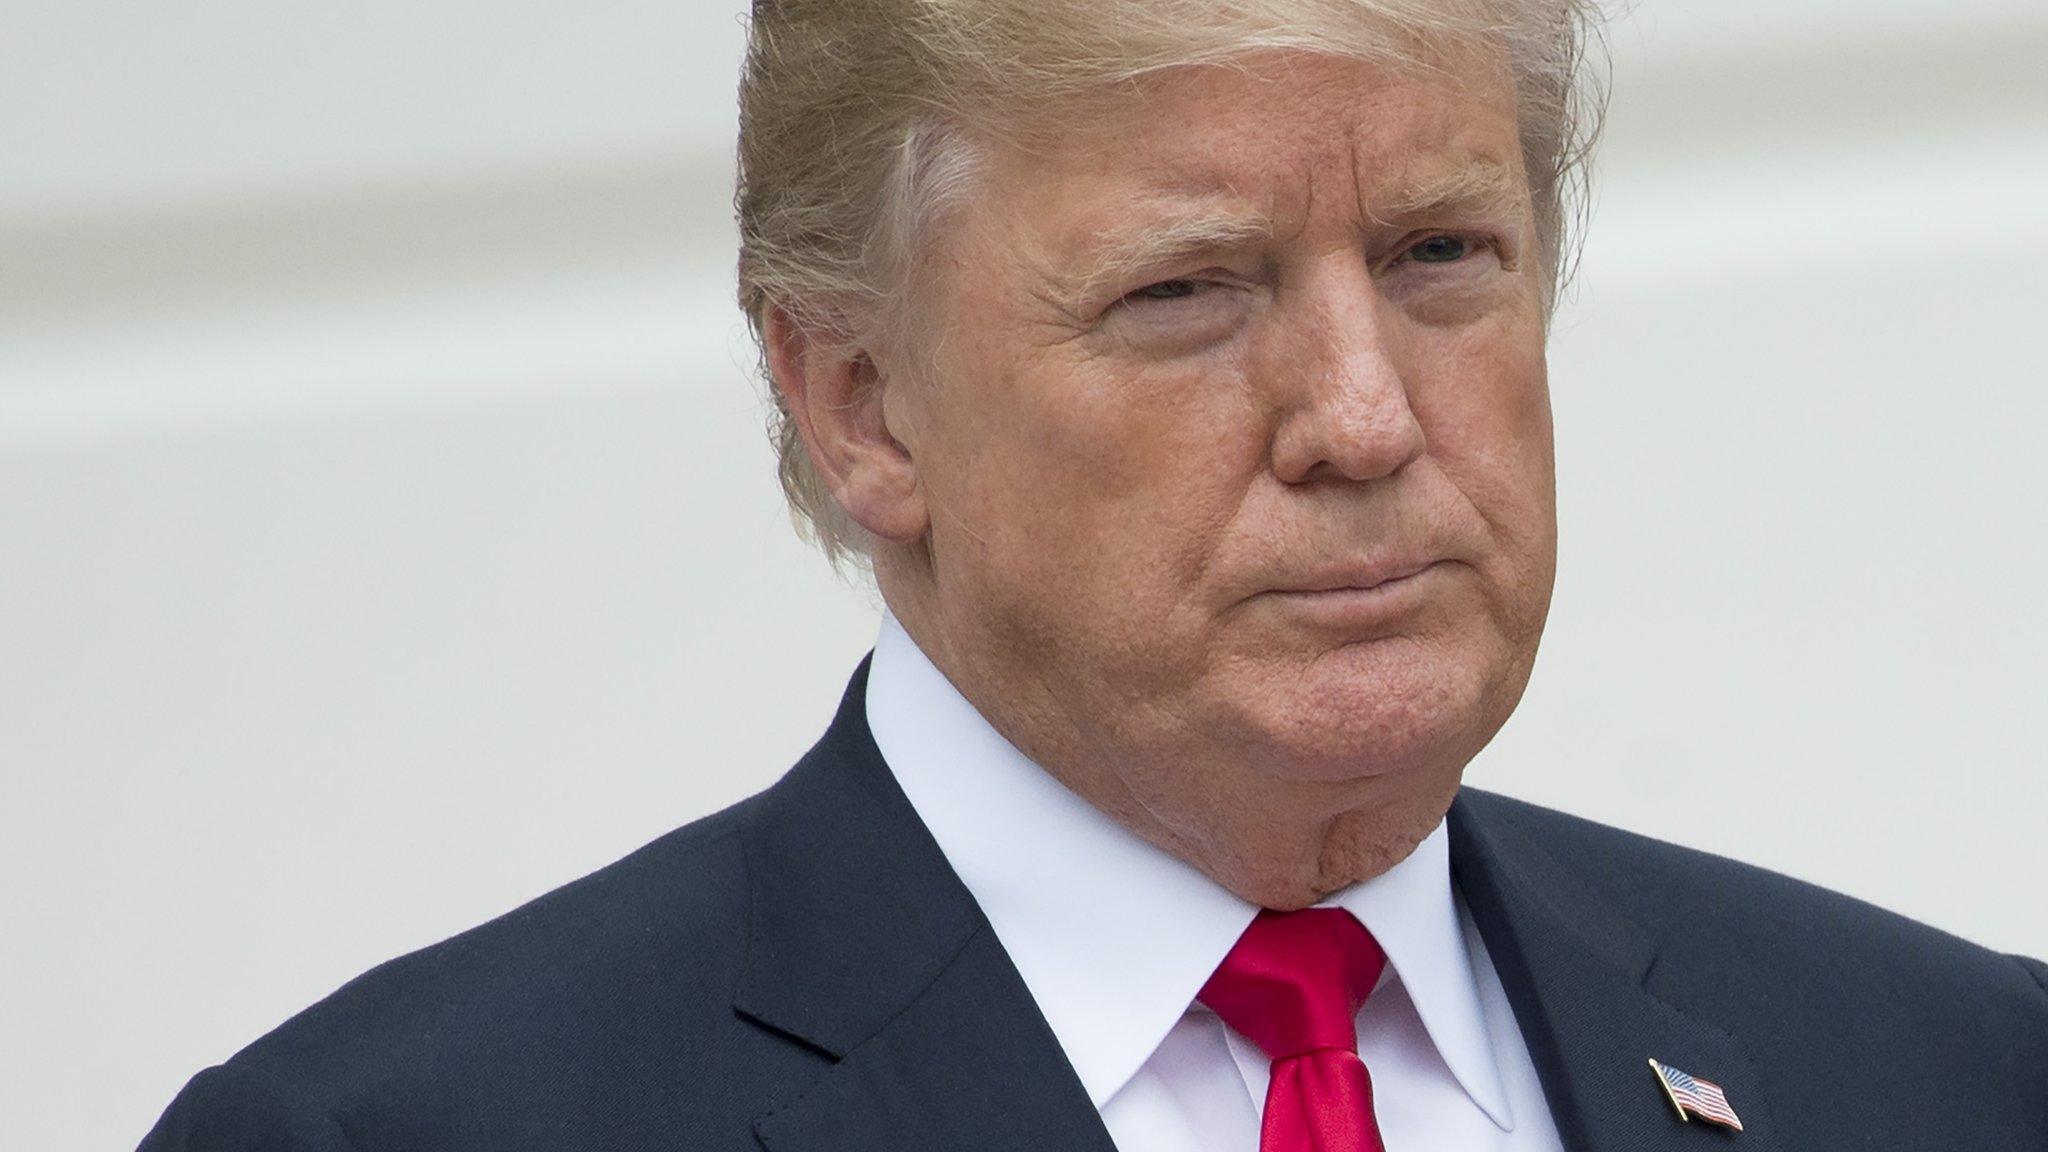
x=1358 y=577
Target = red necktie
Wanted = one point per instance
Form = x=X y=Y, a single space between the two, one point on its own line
x=1293 y=984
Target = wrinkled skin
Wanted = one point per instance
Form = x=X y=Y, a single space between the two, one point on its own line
x=1247 y=538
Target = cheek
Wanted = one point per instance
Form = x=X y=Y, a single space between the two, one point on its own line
x=1485 y=410
x=1123 y=469
x=1483 y=400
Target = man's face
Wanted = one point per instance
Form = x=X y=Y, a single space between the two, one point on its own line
x=1238 y=448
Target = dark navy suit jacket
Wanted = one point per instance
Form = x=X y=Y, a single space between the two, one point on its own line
x=803 y=972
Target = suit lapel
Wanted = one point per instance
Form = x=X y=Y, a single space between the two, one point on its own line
x=864 y=945
x=1579 y=975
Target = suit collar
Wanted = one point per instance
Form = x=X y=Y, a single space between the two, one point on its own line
x=863 y=944
x=1580 y=976
x=853 y=910
x=1114 y=936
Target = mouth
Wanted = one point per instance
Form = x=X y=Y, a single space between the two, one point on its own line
x=1359 y=578
x=1357 y=597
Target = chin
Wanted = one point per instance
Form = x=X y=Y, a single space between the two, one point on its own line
x=1378 y=710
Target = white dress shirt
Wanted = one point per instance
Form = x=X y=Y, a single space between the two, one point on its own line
x=1114 y=937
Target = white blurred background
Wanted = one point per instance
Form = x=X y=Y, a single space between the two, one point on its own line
x=387 y=533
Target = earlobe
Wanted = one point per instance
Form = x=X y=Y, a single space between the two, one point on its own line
x=841 y=401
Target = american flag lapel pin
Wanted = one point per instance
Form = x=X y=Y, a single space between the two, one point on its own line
x=1695 y=1099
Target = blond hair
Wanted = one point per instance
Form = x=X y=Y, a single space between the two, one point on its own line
x=852 y=144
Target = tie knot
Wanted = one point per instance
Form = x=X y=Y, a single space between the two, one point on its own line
x=1293 y=983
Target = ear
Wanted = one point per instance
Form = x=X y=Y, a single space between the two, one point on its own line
x=840 y=401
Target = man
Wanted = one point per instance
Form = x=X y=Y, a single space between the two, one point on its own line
x=1178 y=368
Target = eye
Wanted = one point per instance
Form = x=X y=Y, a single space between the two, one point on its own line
x=1449 y=278
x=1167 y=290
x=1181 y=315
x=1444 y=249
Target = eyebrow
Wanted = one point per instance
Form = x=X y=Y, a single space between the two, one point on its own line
x=1478 y=186
x=1162 y=244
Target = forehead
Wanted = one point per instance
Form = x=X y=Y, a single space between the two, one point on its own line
x=1272 y=133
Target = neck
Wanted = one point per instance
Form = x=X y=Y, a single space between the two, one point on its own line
x=1273 y=842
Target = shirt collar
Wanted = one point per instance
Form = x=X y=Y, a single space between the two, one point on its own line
x=1113 y=936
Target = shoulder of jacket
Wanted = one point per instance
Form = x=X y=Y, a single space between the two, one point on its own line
x=1678 y=893
x=561 y=961
x=235 y=1107
x=2036 y=969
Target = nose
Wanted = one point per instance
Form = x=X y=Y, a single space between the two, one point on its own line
x=1345 y=410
